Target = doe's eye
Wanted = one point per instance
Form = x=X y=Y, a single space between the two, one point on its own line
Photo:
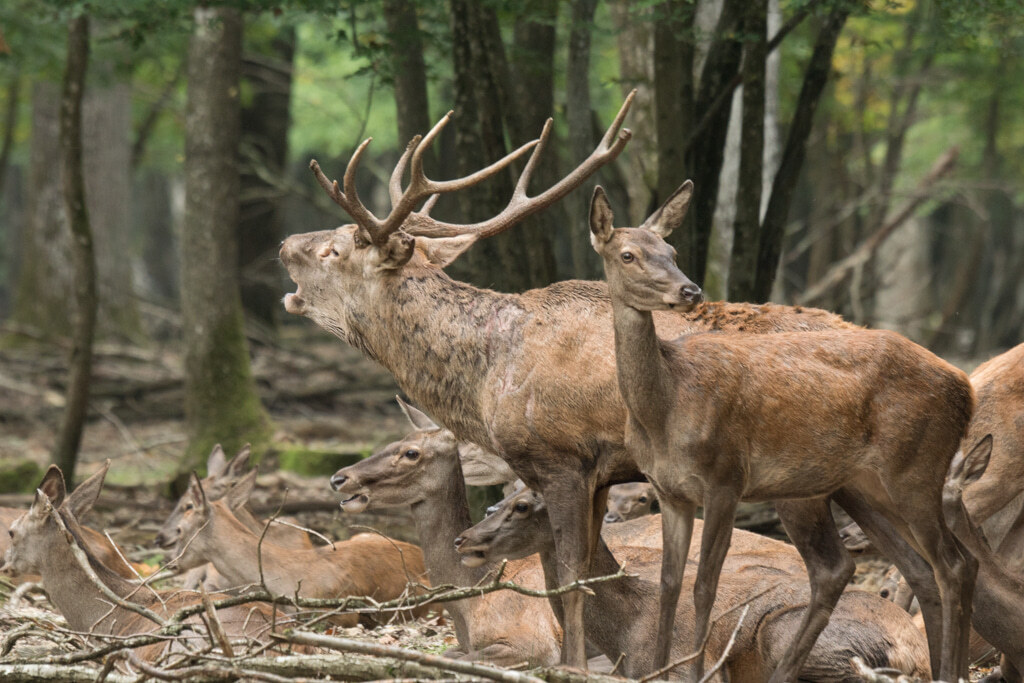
x=334 y=252
x=522 y=507
x=411 y=454
x=627 y=257
x=643 y=499
x=188 y=506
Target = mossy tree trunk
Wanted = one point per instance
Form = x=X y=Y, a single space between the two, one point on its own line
x=221 y=404
x=69 y=437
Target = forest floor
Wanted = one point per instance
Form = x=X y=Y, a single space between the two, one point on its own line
x=322 y=395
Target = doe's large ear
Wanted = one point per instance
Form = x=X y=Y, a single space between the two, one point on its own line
x=196 y=492
x=53 y=486
x=600 y=219
x=976 y=460
x=217 y=463
x=397 y=251
x=443 y=250
x=238 y=464
x=239 y=493
x=417 y=417
x=670 y=215
x=81 y=500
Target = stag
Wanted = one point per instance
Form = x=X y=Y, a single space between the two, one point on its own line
x=531 y=376
x=715 y=419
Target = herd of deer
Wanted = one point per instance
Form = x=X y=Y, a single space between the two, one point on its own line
x=579 y=386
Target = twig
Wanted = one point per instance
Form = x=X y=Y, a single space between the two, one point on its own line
x=728 y=647
x=376 y=649
x=263 y=534
x=214 y=625
x=312 y=532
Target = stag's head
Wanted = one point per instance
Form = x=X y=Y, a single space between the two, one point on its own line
x=515 y=528
x=639 y=264
x=415 y=468
x=332 y=265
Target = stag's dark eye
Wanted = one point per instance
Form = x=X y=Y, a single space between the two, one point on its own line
x=411 y=454
x=627 y=257
x=522 y=507
x=334 y=252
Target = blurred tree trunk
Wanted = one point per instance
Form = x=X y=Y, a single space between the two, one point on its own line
x=221 y=405
x=815 y=78
x=12 y=91
x=69 y=435
x=673 y=100
x=518 y=259
x=743 y=262
x=265 y=121
x=585 y=264
x=409 y=70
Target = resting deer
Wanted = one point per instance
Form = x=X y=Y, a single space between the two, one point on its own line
x=422 y=470
x=79 y=502
x=719 y=418
x=42 y=541
x=629 y=501
x=364 y=565
x=758 y=571
x=528 y=376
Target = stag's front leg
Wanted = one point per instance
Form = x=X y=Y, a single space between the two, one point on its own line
x=571 y=512
x=719 y=516
x=810 y=526
x=676 y=534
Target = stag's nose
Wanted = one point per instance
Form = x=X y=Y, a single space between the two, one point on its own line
x=691 y=293
x=338 y=480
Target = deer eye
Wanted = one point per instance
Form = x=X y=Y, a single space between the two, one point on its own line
x=188 y=507
x=522 y=507
x=643 y=499
x=411 y=454
x=627 y=257
x=334 y=252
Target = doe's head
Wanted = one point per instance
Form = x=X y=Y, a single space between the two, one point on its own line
x=515 y=528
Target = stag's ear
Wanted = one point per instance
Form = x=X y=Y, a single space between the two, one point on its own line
x=600 y=219
x=217 y=463
x=396 y=252
x=81 y=500
x=441 y=251
x=670 y=215
x=53 y=487
x=238 y=495
x=238 y=464
x=417 y=417
x=976 y=460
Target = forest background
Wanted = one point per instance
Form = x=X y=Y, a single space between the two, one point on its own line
x=863 y=157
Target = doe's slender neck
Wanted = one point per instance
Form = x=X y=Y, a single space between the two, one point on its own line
x=639 y=364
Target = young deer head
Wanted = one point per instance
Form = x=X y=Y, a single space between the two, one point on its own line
x=221 y=475
x=196 y=512
x=515 y=528
x=34 y=533
x=640 y=265
x=629 y=501
x=404 y=472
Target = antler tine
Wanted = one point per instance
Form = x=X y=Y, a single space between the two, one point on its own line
x=330 y=186
x=437 y=186
x=524 y=178
x=349 y=199
x=619 y=118
x=395 y=186
x=416 y=174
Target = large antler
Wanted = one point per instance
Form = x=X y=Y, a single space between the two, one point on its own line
x=403 y=202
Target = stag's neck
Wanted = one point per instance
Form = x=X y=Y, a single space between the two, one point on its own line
x=439 y=521
x=439 y=338
x=640 y=366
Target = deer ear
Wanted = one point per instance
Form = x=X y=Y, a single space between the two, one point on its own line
x=217 y=463
x=441 y=251
x=239 y=493
x=670 y=215
x=236 y=467
x=396 y=252
x=976 y=460
x=196 y=492
x=53 y=487
x=600 y=219
x=417 y=417
x=81 y=500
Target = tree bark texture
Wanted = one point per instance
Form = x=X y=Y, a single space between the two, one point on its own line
x=69 y=435
x=585 y=263
x=220 y=397
x=743 y=262
x=409 y=70
x=265 y=121
x=815 y=78
x=673 y=93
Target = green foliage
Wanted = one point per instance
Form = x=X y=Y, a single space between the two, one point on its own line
x=314 y=463
x=19 y=475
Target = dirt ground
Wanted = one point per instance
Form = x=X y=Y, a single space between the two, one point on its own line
x=320 y=393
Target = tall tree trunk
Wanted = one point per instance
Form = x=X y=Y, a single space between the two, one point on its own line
x=221 y=404
x=265 y=123
x=815 y=77
x=581 y=135
x=409 y=70
x=69 y=436
x=743 y=263
x=673 y=95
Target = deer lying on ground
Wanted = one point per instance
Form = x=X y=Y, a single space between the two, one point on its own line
x=999 y=594
x=528 y=376
x=719 y=418
x=422 y=470
x=79 y=502
x=42 y=542
x=758 y=571
x=629 y=501
x=365 y=565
